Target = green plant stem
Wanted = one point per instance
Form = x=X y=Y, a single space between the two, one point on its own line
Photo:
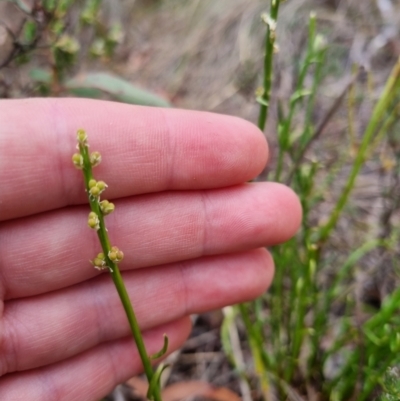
x=255 y=339
x=123 y=294
x=284 y=130
x=116 y=276
x=320 y=128
x=268 y=63
x=387 y=126
x=378 y=113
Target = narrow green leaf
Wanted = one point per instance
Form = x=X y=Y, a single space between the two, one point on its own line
x=299 y=94
x=116 y=87
x=87 y=92
x=162 y=351
x=261 y=101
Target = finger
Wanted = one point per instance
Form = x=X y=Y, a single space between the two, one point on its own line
x=93 y=374
x=144 y=150
x=52 y=250
x=45 y=329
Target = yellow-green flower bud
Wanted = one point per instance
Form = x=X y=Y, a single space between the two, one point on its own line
x=106 y=207
x=96 y=187
x=81 y=136
x=94 y=191
x=93 y=221
x=115 y=254
x=77 y=159
x=101 y=185
x=95 y=159
x=99 y=262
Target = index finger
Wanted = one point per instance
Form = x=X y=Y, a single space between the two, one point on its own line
x=144 y=150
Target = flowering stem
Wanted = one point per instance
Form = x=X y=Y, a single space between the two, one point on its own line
x=270 y=20
x=111 y=255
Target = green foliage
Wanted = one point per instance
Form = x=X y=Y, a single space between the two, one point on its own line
x=300 y=343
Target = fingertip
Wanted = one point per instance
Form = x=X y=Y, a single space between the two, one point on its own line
x=282 y=208
x=258 y=275
x=230 y=148
x=291 y=205
x=252 y=151
x=267 y=269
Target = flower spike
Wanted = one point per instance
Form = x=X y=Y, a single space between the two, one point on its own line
x=110 y=256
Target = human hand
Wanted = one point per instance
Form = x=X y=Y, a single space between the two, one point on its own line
x=191 y=229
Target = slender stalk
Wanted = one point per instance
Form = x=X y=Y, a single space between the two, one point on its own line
x=379 y=111
x=111 y=255
x=270 y=37
x=255 y=339
x=319 y=129
x=351 y=100
x=262 y=360
x=284 y=131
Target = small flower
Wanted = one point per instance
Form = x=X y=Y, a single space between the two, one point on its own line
x=94 y=191
x=95 y=159
x=93 y=221
x=96 y=187
x=99 y=262
x=101 y=185
x=106 y=207
x=77 y=159
x=115 y=255
x=81 y=136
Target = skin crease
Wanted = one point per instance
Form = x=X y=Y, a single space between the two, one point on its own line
x=193 y=232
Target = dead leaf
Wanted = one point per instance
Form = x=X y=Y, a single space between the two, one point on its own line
x=183 y=390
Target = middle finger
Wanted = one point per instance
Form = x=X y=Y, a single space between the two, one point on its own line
x=52 y=251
